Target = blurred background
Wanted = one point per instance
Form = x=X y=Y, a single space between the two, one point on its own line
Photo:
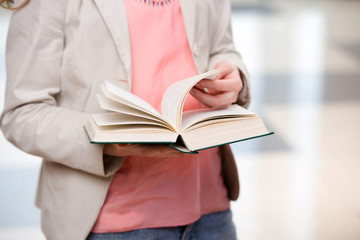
x=301 y=183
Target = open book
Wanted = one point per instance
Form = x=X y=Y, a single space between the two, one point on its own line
x=132 y=120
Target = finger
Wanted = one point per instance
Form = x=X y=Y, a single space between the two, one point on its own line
x=225 y=68
x=222 y=85
x=145 y=150
x=119 y=150
x=160 y=151
x=207 y=90
x=222 y=100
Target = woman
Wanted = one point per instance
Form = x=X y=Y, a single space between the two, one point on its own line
x=58 y=54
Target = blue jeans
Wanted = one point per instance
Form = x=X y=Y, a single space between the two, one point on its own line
x=213 y=226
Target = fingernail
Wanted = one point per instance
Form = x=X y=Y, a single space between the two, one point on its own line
x=192 y=92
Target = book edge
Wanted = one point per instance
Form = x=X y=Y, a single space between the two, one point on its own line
x=244 y=139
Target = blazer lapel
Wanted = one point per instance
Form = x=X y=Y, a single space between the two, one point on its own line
x=188 y=8
x=115 y=17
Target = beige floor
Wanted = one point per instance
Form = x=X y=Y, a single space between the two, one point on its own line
x=311 y=190
x=303 y=182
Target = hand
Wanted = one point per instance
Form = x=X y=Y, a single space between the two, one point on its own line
x=145 y=150
x=221 y=92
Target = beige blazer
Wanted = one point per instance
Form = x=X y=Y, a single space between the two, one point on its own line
x=58 y=52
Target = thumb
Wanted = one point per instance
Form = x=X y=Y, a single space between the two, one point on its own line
x=225 y=69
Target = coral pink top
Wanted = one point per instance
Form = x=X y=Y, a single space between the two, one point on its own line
x=161 y=192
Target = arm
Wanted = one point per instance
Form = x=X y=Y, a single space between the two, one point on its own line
x=32 y=119
x=232 y=84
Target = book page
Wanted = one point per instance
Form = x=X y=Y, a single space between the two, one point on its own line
x=129 y=133
x=116 y=93
x=128 y=98
x=174 y=97
x=120 y=108
x=196 y=116
x=116 y=119
x=207 y=134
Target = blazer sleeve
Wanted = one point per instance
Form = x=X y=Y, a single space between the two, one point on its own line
x=32 y=119
x=222 y=46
